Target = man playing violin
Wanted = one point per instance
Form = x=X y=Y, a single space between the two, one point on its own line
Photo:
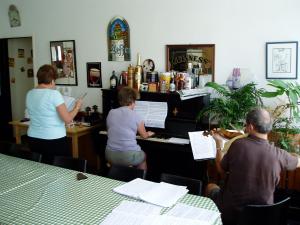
x=251 y=168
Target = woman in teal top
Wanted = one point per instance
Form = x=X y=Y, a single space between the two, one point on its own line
x=48 y=116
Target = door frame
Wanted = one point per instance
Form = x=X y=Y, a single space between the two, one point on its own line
x=10 y=137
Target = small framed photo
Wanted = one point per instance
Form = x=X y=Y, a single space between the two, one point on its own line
x=94 y=77
x=63 y=58
x=281 y=60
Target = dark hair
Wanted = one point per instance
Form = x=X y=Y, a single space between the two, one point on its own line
x=46 y=74
x=126 y=96
x=260 y=119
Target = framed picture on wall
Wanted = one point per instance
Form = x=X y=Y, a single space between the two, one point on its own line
x=63 y=57
x=281 y=60
x=202 y=57
x=94 y=78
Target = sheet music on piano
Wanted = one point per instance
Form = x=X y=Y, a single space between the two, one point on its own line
x=153 y=113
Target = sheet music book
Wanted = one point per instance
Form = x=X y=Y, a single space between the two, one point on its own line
x=153 y=113
x=203 y=147
x=139 y=213
x=69 y=102
x=161 y=194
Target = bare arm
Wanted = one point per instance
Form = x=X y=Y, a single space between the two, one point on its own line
x=219 y=155
x=66 y=116
x=298 y=157
x=142 y=131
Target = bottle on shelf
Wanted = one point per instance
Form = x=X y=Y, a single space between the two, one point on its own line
x=192 y=78
x=138 y=73
x=172 y=83
x=130 y=76
x=113 y=80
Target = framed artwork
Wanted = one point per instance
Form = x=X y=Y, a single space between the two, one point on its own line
x=281 y=60
x=63 y=58
x=118 y=40
x=93 y=71
x=202 y=57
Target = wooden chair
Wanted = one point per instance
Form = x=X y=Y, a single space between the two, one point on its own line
x=70 y=163
x=194 y=186
x=124 y=173
x=274 y=214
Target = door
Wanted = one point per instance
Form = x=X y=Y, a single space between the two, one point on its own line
x=18 y=79
x=5 y=101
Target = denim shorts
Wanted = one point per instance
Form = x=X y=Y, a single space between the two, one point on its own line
x=125 y=158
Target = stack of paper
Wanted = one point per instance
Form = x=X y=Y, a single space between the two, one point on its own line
x=131 y=213
x=138 y=213
x=192 y=93
x=162 y=194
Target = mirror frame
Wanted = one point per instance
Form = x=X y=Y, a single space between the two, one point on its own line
x=201 y=53
x=63 y=58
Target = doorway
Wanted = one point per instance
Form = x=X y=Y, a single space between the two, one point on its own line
x=17 y=78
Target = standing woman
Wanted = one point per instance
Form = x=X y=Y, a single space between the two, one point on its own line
x=122 y=126
x=48 y=115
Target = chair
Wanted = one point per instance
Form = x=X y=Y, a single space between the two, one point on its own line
x=23 y=152
x=5 y=146
x=274 y=214
x=124 y=173
x=70 y=163
x=194 y=186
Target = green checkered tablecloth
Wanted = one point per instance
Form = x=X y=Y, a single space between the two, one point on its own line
x=35 y=193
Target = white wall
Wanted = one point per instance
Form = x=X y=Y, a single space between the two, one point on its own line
x=238 y=28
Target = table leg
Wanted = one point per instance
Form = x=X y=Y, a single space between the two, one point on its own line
x=75 y=146
x=18 y=135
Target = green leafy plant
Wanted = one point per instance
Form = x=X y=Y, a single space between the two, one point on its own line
x=231 y=107
x=292 y=92
x=284 y=124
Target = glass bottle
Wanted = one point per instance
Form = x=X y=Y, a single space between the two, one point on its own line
x=113 y=80
x=172 y=83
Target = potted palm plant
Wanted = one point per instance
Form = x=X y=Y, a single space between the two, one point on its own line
x=285 y=132
x=231 y=106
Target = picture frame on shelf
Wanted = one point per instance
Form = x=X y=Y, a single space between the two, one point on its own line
x=94 y=74
x=282 y=60
x=202 y=57
x=63 y=58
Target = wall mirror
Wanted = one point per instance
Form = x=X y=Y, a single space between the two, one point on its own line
x=202 y=57
x=63 y=58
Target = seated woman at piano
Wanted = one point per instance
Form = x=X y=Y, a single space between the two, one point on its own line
x=123 y=124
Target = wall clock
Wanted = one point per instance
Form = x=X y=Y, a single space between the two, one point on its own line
x=14 y=16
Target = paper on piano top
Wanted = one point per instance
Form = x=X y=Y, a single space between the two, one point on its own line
x=203 y=147
x=152 y=113
x=162 y=194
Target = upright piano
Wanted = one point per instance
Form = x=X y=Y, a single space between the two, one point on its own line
x=162 y=156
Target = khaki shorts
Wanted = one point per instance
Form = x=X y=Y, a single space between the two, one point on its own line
x=125 y=158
